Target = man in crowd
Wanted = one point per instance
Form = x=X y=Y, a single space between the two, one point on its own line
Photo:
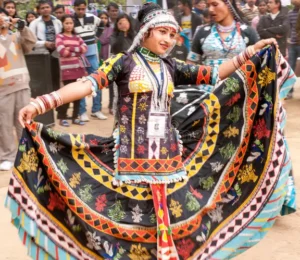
x=14 y=84
x=59 y=11
x=86 y=26
x=199 y=6
x=113 y=12
x=45 y=29
x=188 y=20
x=294 y=39
x=274 y=25
x=250 y=10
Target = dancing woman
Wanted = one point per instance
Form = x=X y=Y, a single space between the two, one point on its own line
x=225 y=38
x=153 y=191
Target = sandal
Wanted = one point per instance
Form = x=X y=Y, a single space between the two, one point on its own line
x=77 y=121
x=64 y=123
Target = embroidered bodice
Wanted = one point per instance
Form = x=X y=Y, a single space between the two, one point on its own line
x=147 y=145
x=217 y=51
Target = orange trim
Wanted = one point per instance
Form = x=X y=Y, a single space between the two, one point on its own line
x=201 y=77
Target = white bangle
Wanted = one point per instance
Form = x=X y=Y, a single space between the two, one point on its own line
x=36 y=107
x=94 y=84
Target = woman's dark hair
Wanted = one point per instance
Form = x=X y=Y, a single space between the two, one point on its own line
x=239 y=12
x=5 y=3
x=206 y=13
x=66 y=16
x=130 y=33
x=105 y=13
x=146 y=9
x=28 y=13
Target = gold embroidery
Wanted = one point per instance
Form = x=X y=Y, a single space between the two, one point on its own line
x=175 y=207
x=247 y=174
x=137 y=252
x=29 y=161
x=231 y=132
x=75 y=180
x=266 y=77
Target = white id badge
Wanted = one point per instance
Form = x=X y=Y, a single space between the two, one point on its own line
x=157 y=125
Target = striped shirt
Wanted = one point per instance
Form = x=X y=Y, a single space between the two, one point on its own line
x=250 y=13
x=292 y=18
x=86 y=28
x=70 y=48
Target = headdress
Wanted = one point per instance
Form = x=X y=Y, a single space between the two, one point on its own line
x=150 y=16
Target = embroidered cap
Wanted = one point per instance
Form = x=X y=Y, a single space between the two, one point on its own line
x=151 y=16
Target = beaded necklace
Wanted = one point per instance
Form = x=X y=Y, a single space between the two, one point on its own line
x=226 y=29
x=149 y=55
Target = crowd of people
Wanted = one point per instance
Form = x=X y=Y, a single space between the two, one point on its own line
x=197 y=157
x=79 y=43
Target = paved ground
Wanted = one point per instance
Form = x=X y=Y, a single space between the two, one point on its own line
x=281 y=243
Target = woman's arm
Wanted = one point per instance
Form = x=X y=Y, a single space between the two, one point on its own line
x=109 y=72
x=229 y=67
x=79 y=50
x=61 y=48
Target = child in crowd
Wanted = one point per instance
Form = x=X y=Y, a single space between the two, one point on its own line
x=71 y=49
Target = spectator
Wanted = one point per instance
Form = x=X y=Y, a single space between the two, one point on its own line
x=274 y=25
x=86 y=26
x=189 y=20
x=223 y=39
x=59 y=11
x=123 y=35
x=70 y=48
x=105 y=36
x=206 y=17
x=250 y=10
x=30 y=16
x=262 y=10
x=14 y=89
x=199 y=7
x=45 y=28
x=11 y=8
x=113 y=12
x=294 y=39
x=105 y=51
x=179 y=51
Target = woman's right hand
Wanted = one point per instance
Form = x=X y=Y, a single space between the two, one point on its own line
x=26 y=114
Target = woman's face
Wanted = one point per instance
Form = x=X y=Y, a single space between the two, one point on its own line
x=123 y=25
x=11 y=9
x=160 y=40
x=218 y=10
x=104 y=19
x=30 y=18
x=262 y=8
x=68 y=25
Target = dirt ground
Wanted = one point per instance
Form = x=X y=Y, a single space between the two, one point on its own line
x=281 y=243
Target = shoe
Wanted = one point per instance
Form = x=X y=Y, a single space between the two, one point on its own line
x=77 y=121
x=6 y=166
x=84 y=118
x=99 y=115
x=111 y=111
x=64 y=123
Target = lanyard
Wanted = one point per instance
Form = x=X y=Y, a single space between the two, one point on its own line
x=160 y=86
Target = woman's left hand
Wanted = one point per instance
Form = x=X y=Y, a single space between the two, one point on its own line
x=263 y=43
